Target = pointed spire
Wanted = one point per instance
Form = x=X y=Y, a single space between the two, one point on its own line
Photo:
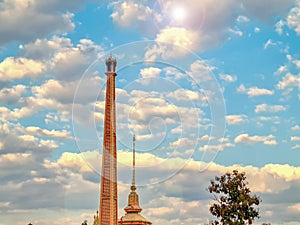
x=133 y=164
x=133 y=198
x=133 y=208
x=96 y=219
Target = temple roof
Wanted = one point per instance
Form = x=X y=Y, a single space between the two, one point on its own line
x=133 y=217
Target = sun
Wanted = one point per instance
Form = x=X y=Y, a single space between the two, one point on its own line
x=179 y=13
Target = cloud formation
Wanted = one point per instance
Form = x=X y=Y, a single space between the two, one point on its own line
x=18 y=68
x=203 y=26
x=130 y=13
x=264 y=108
x=172 y=113
x=236 y=119
x=254 y=91
x=249 y=140
x=22 y=25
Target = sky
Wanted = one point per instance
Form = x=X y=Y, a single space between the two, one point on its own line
x=206 y=86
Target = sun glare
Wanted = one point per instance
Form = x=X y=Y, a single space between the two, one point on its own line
x=179 y=13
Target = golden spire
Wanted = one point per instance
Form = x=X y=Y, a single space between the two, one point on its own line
x=96 y=219
x=133 y=208
x=133 y=198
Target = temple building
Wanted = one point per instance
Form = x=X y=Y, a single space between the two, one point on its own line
x=133 y=209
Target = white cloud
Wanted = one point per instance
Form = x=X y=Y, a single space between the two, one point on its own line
x=267 y=10
x=44 y=49
x=284 y=171
x=79 y=162
x=64 y=59
x=12 y=95
x=219 y=145
x=181 y=37
x=202 y=30
x=195 y=35
x=30 y=178
x=256 y=29
x=295 y=207
x=205 y=138
x=25 y=142
x=160 y=211
x=130 y=13
x=59 y=57
x=18 y=26
x=64 y=91
x=293 y=19
x=296 y=127
x=51 y=144
x=269 y=108
x=169 y=213
x=184 y=95
x=173 y=73
x=72 y=173
x=259 y=178
x=279 y=26
x=281 y=70
x=150 y=72
x=289 y=57
x=152 y=115
x=273 y=119
x=148 y=108
x=215 y=148
x=209 y=33
x=243 y=19
x=70 y=63
x=296 y=146
x=183 y=143
x=228 y=78
x=269 y=43
x=297 y=63
x=259 y=91
x=236 y=119
x=28 y=138
x=254 y=91
x=236 y=32
x=249 y=140
x=68 y=179
x=295 y=138
x=64 y=134
x=201 y=71
x=18 y=68
x=289 y=81
x=60 y=96
x=16 y=139
x=14 y=114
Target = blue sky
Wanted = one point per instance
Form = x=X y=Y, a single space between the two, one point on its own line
x=206 y=86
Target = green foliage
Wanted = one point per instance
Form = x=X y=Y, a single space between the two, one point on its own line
x=234 y=203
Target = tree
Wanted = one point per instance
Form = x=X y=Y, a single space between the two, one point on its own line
x=234 y=202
